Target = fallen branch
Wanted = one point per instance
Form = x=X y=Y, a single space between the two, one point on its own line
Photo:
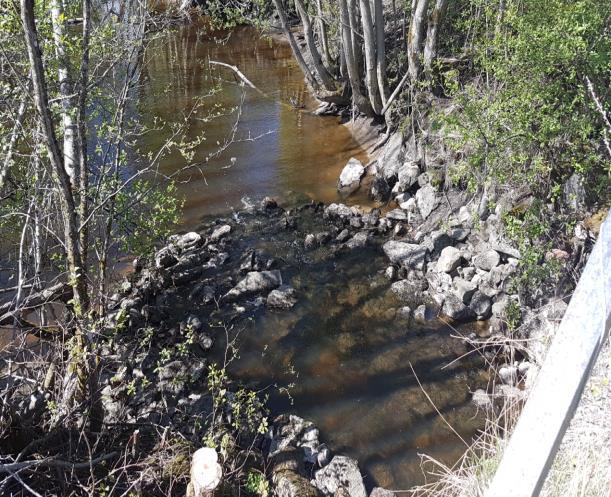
x=391 y=99
x=55 y=463
x=59 y=291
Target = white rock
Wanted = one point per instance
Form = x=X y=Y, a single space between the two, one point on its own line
x=449 y=260
x=350 y=177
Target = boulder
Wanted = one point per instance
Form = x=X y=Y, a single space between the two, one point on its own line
x=392 y=156
x=165 y=257
x=256 y=282
x=427 y=200
x=574 y=193
x=381 y=492
x=359 y=240
x=282 y=298
x=487 y=260
x=341 y=472
x=407 y=176
x=459 y=234
x=350 y=177
x=338 y=211
x=464 y=290
x=290 y=484
x=343 y=236
x=379 y=190
x=454 y=308
x=407 y=254
x=420 y=313
x=187 y=240
x=220 y=232
x=449 y=260
x=481 y=305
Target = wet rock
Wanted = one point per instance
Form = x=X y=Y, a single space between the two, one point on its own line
x=449 y=259
x=379 y=190
x=487 y=260
x=454 y=308
x=420 y=313
x=256 y=282
x=341 y=211
x=464 y=290
x=408 y=290
x=285 y=432
x=165 y=257
x=220 y=232
x=282 y=298
x=350 y=177
x=343 y=236
x=481 y=305
x=359 y=240
x=427 y=201
x=309 y=242
x=341 y=472
x=269 y=203
x=381 y=492
x=407 y=254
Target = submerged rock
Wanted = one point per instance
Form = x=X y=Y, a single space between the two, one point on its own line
x=350 y=177
x=282 y=298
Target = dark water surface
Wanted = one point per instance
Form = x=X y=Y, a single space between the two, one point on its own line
x=348 y=358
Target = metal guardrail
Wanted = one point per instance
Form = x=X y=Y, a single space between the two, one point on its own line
x=560 y=383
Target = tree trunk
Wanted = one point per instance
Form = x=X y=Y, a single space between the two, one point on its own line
x=430 y=46
x=360 y=101
x=320 y=69
x=370 y=57
x=322 y=30
x=65 y=91
x=416 y=34
x=380 y=48
x=296 y=52
x=357 y=53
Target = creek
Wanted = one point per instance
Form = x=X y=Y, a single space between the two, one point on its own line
x=347 y=358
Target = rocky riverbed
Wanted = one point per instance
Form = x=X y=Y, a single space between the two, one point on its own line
x=181 y=310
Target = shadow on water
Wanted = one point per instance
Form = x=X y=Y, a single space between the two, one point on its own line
x=347 y=360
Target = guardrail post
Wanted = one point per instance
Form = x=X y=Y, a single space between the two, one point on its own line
x=566 y=369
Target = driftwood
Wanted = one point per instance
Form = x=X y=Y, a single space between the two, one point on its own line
x=59 y=291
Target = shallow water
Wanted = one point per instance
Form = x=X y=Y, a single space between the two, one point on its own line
x=348 y=359
x=295 y=151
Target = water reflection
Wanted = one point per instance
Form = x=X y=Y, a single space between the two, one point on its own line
x=295 y=151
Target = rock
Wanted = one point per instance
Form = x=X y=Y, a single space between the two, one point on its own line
x=359 y=240
x=454 y=308
x=269 y=203
x=397 y=215
x=467 y=272
x=407 y=176
x=379 y=190
x=220 y=232
x=459 y=234
x=427 y=200
x=341 y=472
x=391 y=273
x=423 y=179
x=481 y=399
x=408 y=290
x=309 y=242
x=290 y=484
x=508 y=374
x=439 y=241
x=507 y=250
x=449 y=260
x=574 y=193
x=381 y=492
x=487 y=260
x=282 y=298
x=481 y=305
x=420 y=313
x=191 y=323
x=407 y=254
x=371 y=218
x=256 y=282
x=165 y=258
x=464 y=290
x=402 y=198
x=404 y=313
x=392 y=156
x=188 y=240
x=350 y=177
x=341 y=211
x=343 y=236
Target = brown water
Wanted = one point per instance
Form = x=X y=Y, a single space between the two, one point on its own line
x=347 y=356
x=295 y=151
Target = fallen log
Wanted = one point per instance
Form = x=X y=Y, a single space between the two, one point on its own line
x=58 y=292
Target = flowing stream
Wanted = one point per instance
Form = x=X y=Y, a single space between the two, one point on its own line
x=349 y=358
